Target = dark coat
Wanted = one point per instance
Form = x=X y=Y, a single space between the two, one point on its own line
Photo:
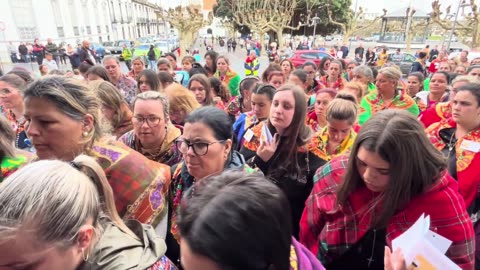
x=83 y=54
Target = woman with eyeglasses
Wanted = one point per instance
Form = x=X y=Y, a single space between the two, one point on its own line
x=243 y=102
x=63 y=121
x=207 y=149
x=153 y=134
x=280 y=148
x=262 y=96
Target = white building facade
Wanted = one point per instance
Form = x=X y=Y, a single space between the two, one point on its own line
x=71 y=21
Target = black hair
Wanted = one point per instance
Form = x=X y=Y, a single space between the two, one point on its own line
x=171 y=55
x=151 y=78
x=321 y=66
x=422 y=55
x=470 y=68
x=165 y=77
x=309 y=63
x=197 y=69
x=446 y=74
x=247 y=83
x=214 y=56
x=216 y=221
x=84 y=67
x=301 y=74
x=100 y=71
x=216 y=119
x=473 y=88
x=417 y=75
x=265 y=89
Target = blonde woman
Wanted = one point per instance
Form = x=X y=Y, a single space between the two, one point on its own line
x=182 y=102
x=63 y=122
x=138 y=65
x=66 y=219
x=115 y=110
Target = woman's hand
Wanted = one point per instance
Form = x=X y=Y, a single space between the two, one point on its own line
x=395 y=260
x=266 y=149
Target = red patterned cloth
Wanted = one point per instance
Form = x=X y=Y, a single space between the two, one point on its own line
x=436 y=113
x=328 y=231
x=139 y=184
x=468 y=162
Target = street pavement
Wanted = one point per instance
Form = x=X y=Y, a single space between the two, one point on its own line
x=236 y=59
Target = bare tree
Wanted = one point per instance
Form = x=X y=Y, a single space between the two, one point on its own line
x=468 y=28
x=188 y=20
x=355 y=23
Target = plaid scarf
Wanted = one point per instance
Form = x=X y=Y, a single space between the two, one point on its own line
x=139 y=184
x=328 y=230
x=9 y=165
x=373 y=103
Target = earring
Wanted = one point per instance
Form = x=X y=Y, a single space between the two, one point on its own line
x=85 y=258
x=85 y=134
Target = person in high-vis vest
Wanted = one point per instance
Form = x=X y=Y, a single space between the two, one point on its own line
x=251 y=64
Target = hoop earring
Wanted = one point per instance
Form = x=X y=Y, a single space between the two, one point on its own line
x=85 y=258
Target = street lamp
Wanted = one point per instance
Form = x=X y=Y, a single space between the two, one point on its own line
x=461 y=4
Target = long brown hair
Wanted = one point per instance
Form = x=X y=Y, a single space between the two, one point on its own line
x=203 y=80
x=298 y=133
x=415 y=165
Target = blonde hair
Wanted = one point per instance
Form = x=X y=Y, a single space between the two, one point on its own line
x=154 y=95
x=110 y=96
x=6 y=139
x=342 y=109
x=392 y=73
x=181 y=99
x=59 y=202
x=72 y=97
x=359 y=86
x=466 y=78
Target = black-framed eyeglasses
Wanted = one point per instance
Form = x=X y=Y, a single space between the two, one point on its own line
x=152 y=121
x=199 y=148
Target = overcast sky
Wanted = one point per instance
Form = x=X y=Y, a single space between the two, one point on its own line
x=391 y=5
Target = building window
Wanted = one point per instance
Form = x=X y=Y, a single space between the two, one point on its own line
x=89 y=30
x=76 y=31
x=22 y=11
x=60 y=31
x=99 y=29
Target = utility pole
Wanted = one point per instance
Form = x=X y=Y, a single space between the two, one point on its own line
x=460 y=4
x=355 y=14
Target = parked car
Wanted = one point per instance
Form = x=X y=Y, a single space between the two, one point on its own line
x=404 y=61
x=301 y=56
x=99 y=50
x=116 y=47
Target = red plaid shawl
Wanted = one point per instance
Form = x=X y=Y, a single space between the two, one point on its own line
x=139 y=184
x=329 y=232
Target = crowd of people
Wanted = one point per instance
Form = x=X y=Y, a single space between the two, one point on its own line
x=191 y=166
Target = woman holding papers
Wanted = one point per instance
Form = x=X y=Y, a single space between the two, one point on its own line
x=363 y=201
x=280 y=148
x=458 y=137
